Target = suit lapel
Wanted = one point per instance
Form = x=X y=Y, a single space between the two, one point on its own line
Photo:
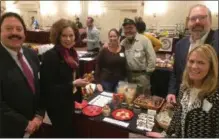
x=184 y=52
x=6 y=56
x=209 y=40
x=10 y=61
x=11 y=64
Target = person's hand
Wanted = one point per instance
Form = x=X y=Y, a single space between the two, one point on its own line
x=171 y=98
x=38 y=121
x=106 y=45
x=84 y=40
x=31 y=127
x=99 y=88
x=154 y=134
x=80 y=82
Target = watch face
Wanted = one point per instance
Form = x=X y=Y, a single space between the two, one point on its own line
x=166 y=44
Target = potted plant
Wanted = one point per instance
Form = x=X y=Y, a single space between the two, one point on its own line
x=180 y=30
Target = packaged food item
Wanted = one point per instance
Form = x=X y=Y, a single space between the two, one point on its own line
x=124 y=105
x=89 y=76
x=106 y=110
x=142 y=116
x=137 y=109
x=122 y=87
x=88 y=90
x=130 y=93
x=165 y=115
x=152 y=112
x=145 y=122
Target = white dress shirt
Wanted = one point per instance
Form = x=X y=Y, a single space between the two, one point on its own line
x=195 y=43
x=13 y=54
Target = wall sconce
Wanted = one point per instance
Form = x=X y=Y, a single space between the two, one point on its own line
x=11 y=7
x=74 y=8
x=154 y=15
x=47 y=8
x=95 y=8
x=155 y=7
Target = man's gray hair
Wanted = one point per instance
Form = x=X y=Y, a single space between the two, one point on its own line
x=203 y=6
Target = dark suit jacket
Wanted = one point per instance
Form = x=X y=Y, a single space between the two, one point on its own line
x=56 y=84
x=18 y=104
x=215 y=41
x=181 y=51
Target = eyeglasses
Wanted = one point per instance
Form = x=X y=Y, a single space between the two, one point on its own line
x=199 y=17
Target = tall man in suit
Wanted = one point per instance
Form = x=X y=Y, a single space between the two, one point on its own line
x=20 y=108
x=199 y=24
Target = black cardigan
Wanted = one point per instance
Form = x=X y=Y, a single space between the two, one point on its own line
x=56 y=79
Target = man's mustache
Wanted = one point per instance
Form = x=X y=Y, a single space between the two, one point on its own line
x=15 y=36
x=198 y=26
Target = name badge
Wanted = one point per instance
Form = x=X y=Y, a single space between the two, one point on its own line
x=206 y=105
x=137 y=54
x=38 y=75
x=121 y=54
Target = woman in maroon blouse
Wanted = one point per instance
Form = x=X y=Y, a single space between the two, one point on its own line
x=111 y=64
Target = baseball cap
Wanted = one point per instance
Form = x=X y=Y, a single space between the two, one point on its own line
x=128 y=21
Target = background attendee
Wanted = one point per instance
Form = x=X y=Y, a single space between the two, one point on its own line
x=140 y=24
x=196 y=114
x=199 y=24
x=58 y=78
x=78 y=23
x=34 y=23
x=111 y=64
x=20 y=106
x=93 y=36
x=141 y=28
x=140 y=57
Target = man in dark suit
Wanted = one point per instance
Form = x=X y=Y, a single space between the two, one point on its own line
x=20 y=108
x=216 y=36
x=199 y=24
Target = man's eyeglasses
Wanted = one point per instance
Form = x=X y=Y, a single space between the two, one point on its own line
x=199 y=17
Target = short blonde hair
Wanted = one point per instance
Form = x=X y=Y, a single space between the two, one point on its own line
x=210 y=82
x=57 y=28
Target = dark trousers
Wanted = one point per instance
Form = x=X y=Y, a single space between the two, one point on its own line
x=109 y=86
x=62 y=122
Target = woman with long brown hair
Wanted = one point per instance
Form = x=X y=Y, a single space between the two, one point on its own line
x=58 y=77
